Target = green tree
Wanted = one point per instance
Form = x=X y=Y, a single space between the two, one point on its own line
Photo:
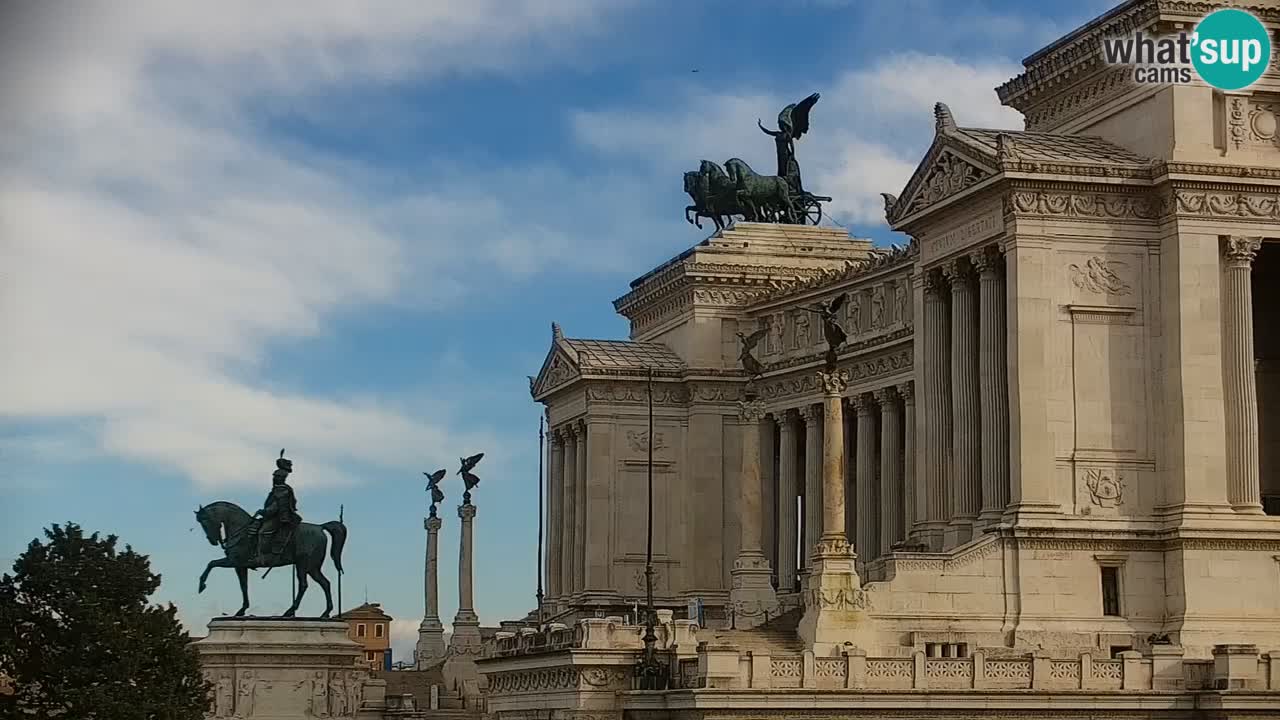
x=80 y=641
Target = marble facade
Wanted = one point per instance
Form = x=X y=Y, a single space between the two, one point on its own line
x=1057 y=373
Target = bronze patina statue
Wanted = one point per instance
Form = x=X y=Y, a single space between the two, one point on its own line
x=272 y=537
x=832 y=332
x=469 y=479
x=737 y=191
x=279 y=514
x=433 y=487
x=750 y=364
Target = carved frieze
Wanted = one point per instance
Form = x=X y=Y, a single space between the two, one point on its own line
x=837 y=599
x=1083 y=205
x=1217 y=204
x=632 y=393
x=858 y=370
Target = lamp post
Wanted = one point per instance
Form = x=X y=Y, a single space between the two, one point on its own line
x=542 y=438
x=651 y=671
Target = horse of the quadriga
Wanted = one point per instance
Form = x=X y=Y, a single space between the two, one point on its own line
x=227 y=525
x=721 y=193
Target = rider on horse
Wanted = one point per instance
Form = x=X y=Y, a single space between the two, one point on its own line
x=279 y=514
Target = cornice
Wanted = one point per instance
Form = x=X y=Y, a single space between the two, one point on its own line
x=883 y=262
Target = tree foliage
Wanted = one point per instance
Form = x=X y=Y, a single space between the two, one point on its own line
x=80 y=641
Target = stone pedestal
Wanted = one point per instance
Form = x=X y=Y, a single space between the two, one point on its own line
x=430 y=647
x=835 y=606
x=754 y=600
x=287 y=670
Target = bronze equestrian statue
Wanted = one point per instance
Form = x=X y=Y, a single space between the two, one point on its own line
x=272 y=537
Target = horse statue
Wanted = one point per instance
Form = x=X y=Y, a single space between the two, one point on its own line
x=713 y=193
x=765 y=198
x=227 y=525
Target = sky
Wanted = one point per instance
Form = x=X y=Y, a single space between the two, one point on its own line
x=345 y=228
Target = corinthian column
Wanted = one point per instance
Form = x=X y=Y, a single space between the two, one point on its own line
x=966 y=489
x=465 y=644
x=580 y=510
x=753 y=598
x=568 y=475
x=555 y=516
x=935 y=375
x=867 y=544
x=992 y=364
x=787 y=530
x=890 y=470
x=430 y=632
x=812 y=479
x=1244 y=490
x=912 y=498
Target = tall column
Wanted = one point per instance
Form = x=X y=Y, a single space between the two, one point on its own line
x=580 y=509
x=912 y=497
x=992 y=367
x=891 y=501
x=850 y=473
x=935 y=375
x=787 y=493
x=753 y=598
x=966 y=489
x=834 y=603
x=1244 y=488
x=430 y=644
x=868 y=542
x=833 y=466
x=769 y=489
x=555 y=516
x=569 y=474
x=812 y=480
x=464 y=645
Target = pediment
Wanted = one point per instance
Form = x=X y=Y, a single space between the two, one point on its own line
x=560 y=367
x=948 y=169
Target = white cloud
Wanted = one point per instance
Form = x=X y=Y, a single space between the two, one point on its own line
x=867 y=131
x=155 y=247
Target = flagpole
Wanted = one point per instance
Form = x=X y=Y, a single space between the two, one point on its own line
x=340 y=508
x=541 y=442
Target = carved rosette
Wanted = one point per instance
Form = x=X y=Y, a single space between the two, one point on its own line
x=1239 y=250
x=834 y=382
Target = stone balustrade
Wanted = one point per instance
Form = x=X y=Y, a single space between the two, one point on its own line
x=1234 y=667
x=610 y=633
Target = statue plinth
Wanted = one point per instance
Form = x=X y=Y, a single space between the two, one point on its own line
x=283 y=669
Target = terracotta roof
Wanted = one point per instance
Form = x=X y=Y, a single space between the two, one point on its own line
x=616 y=354
x=367 y=610
x=1053 y=147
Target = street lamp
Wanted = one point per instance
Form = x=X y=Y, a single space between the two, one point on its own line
x=651 y=672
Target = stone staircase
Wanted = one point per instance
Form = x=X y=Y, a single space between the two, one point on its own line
x=778 y=636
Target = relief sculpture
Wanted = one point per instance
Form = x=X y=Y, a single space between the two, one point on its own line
x=877 y=308
x=900 y=302
x=1099 y=276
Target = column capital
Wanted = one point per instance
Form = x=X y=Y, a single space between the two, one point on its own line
x=811 y=413
x=1240 y=249
x=557 y=436
x=935 y=282
x=466 y=512
x=907 y=391
x=432 y=524
x=752 y=411
x=958 y=271
x=576 y=428
x=864 y=403
x=834 y=382
x=987 y=260
x=885 y=395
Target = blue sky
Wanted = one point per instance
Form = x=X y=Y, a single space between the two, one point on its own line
x=344 y=229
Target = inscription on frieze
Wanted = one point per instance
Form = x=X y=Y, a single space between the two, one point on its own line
x=988 y=225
